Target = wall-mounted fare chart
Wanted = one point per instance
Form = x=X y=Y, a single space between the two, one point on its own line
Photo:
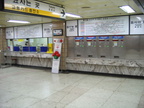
x=30 y=31
x=104 y=26
x=137 y=24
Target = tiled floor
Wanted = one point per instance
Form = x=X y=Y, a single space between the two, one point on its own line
x=35 y=88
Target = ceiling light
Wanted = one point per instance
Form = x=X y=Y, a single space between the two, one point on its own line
x=85 y=7
x=72 y=15
x=17 y=21
x=127 y=9
x=139 y=18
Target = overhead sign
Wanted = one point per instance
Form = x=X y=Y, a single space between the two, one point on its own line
x=33 y=7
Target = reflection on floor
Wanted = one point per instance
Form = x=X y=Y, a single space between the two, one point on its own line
x=35 y=88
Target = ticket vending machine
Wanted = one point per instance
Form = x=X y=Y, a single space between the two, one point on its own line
x=118 y=47
x=80 y=49
x=91 y=47
x=104 y=47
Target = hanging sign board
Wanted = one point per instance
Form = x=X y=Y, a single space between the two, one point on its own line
x=33 y=7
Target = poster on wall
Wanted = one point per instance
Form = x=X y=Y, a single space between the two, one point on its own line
x=71 y=28
x=137 y=24
x=31 y=31
x=104 y=26
x=47 y=30
x=10 y=33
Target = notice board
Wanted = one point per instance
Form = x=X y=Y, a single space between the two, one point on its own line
x=47 y=30
x=104 y=26
x=30 y=31
x=71 y=28
x=10 y=33
x=137 y=24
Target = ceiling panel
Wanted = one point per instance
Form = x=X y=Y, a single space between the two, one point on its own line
x=97 y=8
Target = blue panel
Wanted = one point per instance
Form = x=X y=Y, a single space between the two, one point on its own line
x=26 y=49
x=16 y=48
x=91 y=37
x=118 y=37
x=43 y=49
x=104 y=37
x=79 y=38
x=33 y=49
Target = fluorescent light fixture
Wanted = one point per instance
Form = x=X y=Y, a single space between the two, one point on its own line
x=17 y=21
x=127 y=9
x=72 y=15
x=139 y=18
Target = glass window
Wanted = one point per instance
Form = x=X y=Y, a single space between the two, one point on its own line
x=50 y=40
x=21 y=42
x=38 y=42
x=9 y=43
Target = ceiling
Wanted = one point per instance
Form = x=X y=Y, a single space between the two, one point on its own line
x=84 y=8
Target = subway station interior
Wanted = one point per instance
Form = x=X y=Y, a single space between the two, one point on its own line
x=71 y=54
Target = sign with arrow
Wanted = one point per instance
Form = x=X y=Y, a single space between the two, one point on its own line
x=32 y=7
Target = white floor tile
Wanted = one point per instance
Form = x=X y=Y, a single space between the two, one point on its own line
x=40 y=93
x=20 y=102
x=126 y=97
x=47 y=104
x=6 y=96
x=86 y=102
x=56 y=97
x=119 y=104
x=35 y=88
x=69 y=98
x=99 y=93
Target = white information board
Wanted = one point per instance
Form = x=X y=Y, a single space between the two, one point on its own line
x=71 y=28
x=31 y=31
x=10 y=33
x=137 y=24
x=104 y=26
x=47 y=30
